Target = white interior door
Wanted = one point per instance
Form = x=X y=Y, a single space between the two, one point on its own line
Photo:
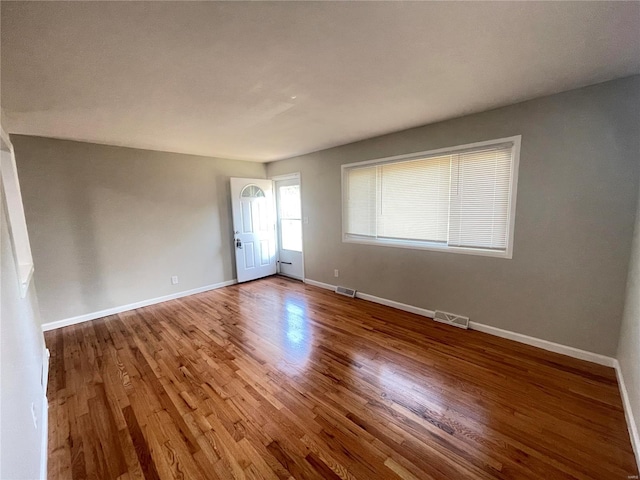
x=289 y=228
x=254 y=227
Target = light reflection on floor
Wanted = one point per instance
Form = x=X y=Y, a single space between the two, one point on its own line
x=297 y=340
x=390 y=381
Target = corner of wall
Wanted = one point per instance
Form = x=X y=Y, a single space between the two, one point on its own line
x=628 y=362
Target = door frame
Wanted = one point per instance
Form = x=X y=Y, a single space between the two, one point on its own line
x=274 y=179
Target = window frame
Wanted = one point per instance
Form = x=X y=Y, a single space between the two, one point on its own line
x=279 y=211
x=16 y=221
x=435 y=246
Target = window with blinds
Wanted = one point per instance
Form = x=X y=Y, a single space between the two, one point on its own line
x=460 y=199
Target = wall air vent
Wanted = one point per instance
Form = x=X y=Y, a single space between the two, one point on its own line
x=347 y=292
x=451 y=319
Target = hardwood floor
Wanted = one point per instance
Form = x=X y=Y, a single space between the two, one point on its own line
x=274 y=379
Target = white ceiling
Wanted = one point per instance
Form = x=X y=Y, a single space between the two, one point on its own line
x=263 y=81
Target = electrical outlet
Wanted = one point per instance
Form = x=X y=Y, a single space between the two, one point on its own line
x=174 y=280
x=336 y=273
x=33 y=415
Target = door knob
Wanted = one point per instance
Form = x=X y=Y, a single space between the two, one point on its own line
x=238 y=243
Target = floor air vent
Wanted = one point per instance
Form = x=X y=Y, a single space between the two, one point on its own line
x=347 y=292
x=451 y=319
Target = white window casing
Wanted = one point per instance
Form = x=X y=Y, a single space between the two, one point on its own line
x=460 y=199
x=15 y=213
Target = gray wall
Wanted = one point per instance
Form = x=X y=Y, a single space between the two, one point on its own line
x=629 y=346
x=577 y=195
x=21 y=355
x=109 y=226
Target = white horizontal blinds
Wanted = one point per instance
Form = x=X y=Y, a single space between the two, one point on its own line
x=414 y=200
x=459 y=199
x=480 y=193
x=361 y=201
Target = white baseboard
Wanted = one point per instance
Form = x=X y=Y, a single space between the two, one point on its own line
x=315 y=283
x=545 y=344
x=374 y=299
x=518 y=337
x=628 y=414
x=400 y=306
x=123 y=308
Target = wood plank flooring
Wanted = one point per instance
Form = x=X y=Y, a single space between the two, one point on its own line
x=278 y=380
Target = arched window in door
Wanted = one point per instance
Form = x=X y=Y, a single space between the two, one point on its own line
x=252 y=191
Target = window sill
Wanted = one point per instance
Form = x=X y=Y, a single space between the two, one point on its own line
x=435 y=247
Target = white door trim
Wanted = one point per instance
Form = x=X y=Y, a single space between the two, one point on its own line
x=287 y=176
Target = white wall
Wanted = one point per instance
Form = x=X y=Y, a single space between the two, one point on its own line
x=21 y=354
x=629 y=346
